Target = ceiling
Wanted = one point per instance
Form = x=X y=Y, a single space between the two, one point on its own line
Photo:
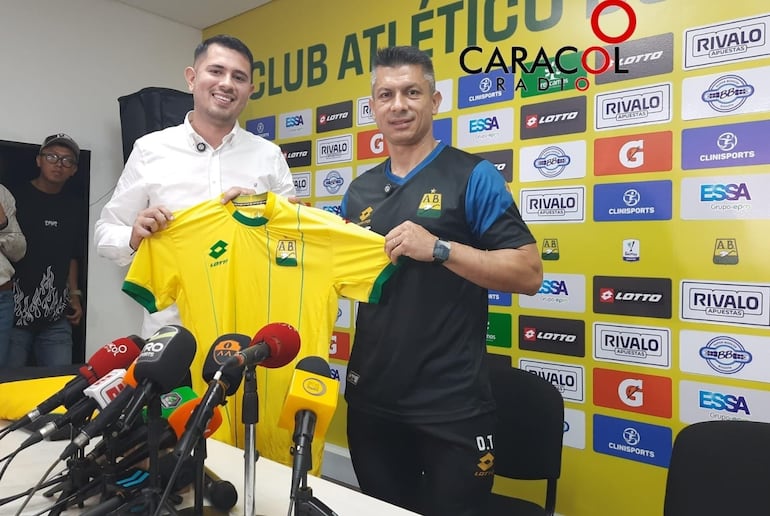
x=196 y=13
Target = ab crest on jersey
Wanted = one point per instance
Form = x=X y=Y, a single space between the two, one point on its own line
x=430 y=205
x=286 y=253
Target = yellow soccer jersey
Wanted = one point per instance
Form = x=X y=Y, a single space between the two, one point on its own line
x=257 y=260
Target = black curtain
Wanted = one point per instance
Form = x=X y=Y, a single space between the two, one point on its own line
x=150 y=109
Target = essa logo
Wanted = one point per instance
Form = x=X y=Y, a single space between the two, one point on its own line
x=554 y=287
x=294 y=121
x=477 y=125
x=723 y=402
x=724 y=192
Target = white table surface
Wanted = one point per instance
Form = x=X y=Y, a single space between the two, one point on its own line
x=271 y=493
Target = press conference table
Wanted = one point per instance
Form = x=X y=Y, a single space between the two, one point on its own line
x=271 y=493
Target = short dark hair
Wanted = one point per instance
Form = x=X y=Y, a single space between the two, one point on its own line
x=405 y=55
x=226 y=41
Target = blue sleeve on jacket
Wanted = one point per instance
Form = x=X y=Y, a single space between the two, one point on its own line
x=486 y=198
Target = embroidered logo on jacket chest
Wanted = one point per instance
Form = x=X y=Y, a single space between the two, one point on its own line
x=430 y=205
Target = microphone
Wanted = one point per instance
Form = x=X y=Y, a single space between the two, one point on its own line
x=275 y=345
x=201 y=147
x=106 y=417
x=221 y=493
x=223 y=381
x=115 y=355
x=157 y=369
x=177 y=421
x=224 y=348
x=98 y=395
x=310 y=405
x=389 y=188
x=162 y=365
x=171 y=402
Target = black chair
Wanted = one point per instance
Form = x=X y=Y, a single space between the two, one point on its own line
x=719 y=468
x=528 y=441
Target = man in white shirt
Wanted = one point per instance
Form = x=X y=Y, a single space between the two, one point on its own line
x=195 y=161
x=13 y=245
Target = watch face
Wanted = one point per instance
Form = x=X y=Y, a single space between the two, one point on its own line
x=440 y=251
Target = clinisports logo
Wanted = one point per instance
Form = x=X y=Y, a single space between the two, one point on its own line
x=561 y=61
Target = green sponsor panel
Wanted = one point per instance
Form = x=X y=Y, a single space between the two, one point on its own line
x=542 y=81
x=499 y=330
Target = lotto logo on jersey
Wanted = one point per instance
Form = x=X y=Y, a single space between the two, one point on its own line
x=286 y=253
x=216 y=251
x=430 y=205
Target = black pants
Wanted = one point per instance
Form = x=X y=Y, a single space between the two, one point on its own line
x=433 y=469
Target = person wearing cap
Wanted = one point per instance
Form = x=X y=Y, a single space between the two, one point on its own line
x=46 y=294
x=13 y=245
x=206 y=156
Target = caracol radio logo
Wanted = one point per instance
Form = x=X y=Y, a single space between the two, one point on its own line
x=557 y=69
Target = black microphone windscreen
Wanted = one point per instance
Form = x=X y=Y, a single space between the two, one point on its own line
x=222 y=494
x=316 y=365
x=177 y=345
x=225 y=347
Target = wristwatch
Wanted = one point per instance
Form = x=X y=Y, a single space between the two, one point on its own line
x=441 y=251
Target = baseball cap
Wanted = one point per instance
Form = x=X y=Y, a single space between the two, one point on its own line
x=61 y=139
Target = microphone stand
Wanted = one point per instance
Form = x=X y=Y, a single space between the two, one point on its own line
x=309 y=505
x=250 y=417
x=305 y=504
x=152 y=495
x=198 y=509
x=75 y=485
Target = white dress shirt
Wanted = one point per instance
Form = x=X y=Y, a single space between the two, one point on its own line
x=13 y=245
x=176 y=168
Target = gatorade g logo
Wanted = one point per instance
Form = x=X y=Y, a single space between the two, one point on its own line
x=631 y=154
x=631 y=393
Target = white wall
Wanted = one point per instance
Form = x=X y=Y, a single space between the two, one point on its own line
x=62 y=68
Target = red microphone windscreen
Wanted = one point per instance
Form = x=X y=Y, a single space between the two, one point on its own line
x=118 y=354
x=283 y=341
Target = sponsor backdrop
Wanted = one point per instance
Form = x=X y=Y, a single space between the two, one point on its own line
x=647 y=187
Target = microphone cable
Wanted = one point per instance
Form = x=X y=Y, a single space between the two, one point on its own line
x=5 y=431
x=8 y=458
x=37 y=486
x=48 y=483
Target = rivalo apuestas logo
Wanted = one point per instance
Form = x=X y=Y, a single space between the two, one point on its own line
x=558 y=69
